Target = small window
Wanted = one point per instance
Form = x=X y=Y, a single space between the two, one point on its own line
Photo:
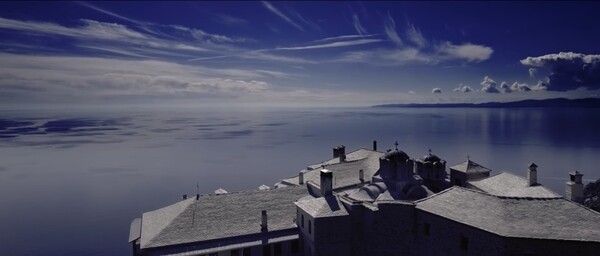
x=309 y=227
x=426 y=229
x=267 y=250
x=302 y=218
x=235 y=252
x=295 y=246
x=277 y=249
x=247 y=252
x=464 y=243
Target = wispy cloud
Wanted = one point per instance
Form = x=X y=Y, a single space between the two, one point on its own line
x=345 y=37
x=415 y=36
x=390 y=30
x=90 y=29
x=466 y=51
x=332 y=45
x=230 y=20
x=205 y=36
x=287 y=19
x=357 y=26
x=93 y=7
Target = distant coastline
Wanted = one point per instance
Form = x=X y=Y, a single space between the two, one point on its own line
x=546 y=103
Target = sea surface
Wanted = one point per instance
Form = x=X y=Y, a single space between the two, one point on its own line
x=72 y=180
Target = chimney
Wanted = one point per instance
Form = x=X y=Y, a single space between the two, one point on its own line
x=326 y=182
x=339 y=151
x=184 y=197
x=301 y=177
x=361 y=175
x=374 y=145
x=263 y=225
x=532 y=175
x=574 y=190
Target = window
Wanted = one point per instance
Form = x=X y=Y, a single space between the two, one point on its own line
x=277 y=249
x=235 y=252
x=464 y=243
x=267 y=250
x=246 y=252
x=295 y=246
x=309 y=227
x=302 y=218
x=426 y=229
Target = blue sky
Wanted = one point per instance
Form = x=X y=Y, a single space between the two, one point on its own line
x=296 y=53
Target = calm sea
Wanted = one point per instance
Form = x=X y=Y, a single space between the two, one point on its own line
x=71 y=181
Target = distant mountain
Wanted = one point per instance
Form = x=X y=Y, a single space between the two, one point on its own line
x=547 y=103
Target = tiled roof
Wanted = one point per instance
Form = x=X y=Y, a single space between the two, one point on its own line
x=344 y=173
x=329 y=206
x=470 y=167
x=219 y=216
x=556 y=218
x=510 y=185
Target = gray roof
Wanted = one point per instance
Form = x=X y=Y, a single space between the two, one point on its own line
x=511 y=185
x=541 y=218
x=219 y=216
x=344 y=173
x=329 y=206
x=470 y=167
x=135 y=229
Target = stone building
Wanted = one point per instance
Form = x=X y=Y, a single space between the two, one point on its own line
x=372 y=203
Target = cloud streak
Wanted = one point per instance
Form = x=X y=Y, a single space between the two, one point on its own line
x=357 y=26
x=390 y=30
x=287 y=19
x=332 y=45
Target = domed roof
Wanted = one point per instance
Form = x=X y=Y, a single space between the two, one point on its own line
x=369 y=192
x=396 y=155
x=431 y=158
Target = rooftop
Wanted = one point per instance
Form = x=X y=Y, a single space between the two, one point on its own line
x=470 y=167
x=511 y=185
x=345 y=173
x=329 y=206
x=543 y=218
x=219 y=216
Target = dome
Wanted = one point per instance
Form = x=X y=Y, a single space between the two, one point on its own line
x=431 y=158
x=369 y=192
x=396 y=155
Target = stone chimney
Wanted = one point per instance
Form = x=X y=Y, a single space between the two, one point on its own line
x=574 y=190
x=263 y=225
x=532 y=175
x=326 y=182
x=374 y=145
x=301 y=177
x=340 y=151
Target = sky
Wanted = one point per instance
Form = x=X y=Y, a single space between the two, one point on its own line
x=296 y=53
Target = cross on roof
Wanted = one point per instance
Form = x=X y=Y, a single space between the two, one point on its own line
x=468 y=158
x=396 y=145
x=429 y=151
